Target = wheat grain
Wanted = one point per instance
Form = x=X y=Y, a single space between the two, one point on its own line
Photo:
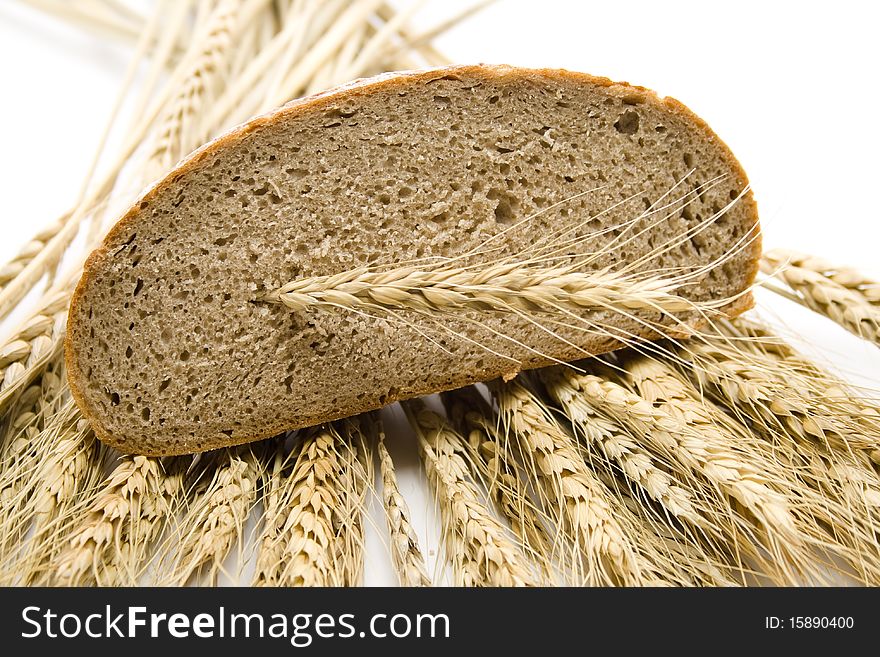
x=481 y=552
x=727 y=454
x=298 y=547
x=704 y=442
x=689 y=560
x=843 y=416
x=112 y=545
x=406 y=556
x=578 y=501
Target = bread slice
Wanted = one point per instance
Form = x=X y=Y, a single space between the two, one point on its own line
x=169 y=350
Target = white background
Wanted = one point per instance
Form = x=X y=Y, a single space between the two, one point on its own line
x=790 y=86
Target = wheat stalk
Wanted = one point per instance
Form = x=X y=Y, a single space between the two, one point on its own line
x=112 y=545
x=492 y=461
x=406 y=556
x=577 y=501
x=481 y=552
x=223 y=497
x=843 y=305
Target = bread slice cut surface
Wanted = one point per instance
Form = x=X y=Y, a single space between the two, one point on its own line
x=171 y=349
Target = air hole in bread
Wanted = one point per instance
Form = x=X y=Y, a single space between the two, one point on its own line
x=628 y=123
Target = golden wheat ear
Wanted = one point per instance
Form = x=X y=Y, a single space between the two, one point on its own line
x=492 y=461
x=823 y=432
x=313 y=503
x=406 y=555
x=841 y=294
x=480 y=549
x=221 y=493
x=113 y=543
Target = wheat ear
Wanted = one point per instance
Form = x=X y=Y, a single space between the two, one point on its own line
x=492 y=461
x=845 y=417
x=685 y=558
x=70 y=473
x=835 y=490
x=27 y=439
x=32 y=346
x=848 y=277
x=482 y=554
x=510 y=287
x=406 y=556
x=306 y=512
x=207 y=61
x=639 y=466
x=356 y=481
x=845 y=306
x=223 y=496
x=112 y=545
x=728 y=454
x=774 y=395
x=576 y=500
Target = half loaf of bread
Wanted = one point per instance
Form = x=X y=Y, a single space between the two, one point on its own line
x=170 y=349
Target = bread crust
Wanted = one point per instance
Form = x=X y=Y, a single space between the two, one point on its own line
x=347 y=92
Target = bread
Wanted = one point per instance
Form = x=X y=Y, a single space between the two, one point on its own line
x=170 y=350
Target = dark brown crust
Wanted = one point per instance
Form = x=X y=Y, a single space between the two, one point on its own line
x=346 y=92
